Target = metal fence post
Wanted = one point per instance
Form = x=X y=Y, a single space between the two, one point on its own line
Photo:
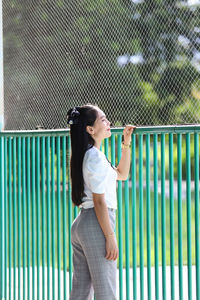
x=1 y=70
x=2 y=229
x=2 y=235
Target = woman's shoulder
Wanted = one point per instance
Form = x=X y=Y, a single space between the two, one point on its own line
x=93 y=154
x=94 y=162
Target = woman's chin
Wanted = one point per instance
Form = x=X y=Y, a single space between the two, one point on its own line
x=108 y=133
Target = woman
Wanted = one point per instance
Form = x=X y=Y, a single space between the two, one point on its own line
x=95 y=250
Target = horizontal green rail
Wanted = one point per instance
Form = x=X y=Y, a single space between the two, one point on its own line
x=157 y=224
x=116 y=130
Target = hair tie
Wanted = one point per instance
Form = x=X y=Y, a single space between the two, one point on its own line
x=73 y=116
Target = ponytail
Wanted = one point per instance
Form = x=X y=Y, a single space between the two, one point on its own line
x=79 y=118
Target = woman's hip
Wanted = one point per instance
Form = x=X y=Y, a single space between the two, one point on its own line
x=86 y=225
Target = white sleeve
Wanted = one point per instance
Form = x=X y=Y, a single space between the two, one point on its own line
x=96 y=172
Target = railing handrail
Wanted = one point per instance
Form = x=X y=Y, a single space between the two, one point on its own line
x=115 y=130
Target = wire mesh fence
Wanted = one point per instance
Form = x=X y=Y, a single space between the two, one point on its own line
x=138 y=60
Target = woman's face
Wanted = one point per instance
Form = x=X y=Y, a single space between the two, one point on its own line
x=101 y=127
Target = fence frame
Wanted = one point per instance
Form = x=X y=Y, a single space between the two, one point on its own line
x=155 y=130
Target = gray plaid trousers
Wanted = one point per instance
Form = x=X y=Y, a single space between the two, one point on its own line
x=93 y=273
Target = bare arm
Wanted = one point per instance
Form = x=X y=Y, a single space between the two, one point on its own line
x=101 y=211
x=124 y=164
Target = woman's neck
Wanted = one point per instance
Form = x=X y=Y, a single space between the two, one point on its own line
x=97 y=144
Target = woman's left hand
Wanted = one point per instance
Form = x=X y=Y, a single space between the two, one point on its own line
x=128 y=130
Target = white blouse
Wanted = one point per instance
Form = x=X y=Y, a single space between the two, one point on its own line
x=99 y=177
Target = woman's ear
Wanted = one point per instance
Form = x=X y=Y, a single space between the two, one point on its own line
x=90 y=130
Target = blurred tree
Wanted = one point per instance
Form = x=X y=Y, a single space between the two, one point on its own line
x=139 y=60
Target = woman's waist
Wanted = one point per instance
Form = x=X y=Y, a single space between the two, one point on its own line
x=110 y=202
x=83 y=210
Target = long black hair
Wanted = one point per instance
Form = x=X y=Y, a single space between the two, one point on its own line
x=79 y=118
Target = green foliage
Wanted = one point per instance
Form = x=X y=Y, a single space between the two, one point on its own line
x=66 y=53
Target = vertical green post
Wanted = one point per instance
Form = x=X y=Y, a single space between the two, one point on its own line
x=2 y=228
x=28 y=216
x=119 y=194
x=113 y=149
x=1 y=70
x=141 y=228
x=2 y=195
x=43 y=216
x=5 y=211
x=58 y=210
x=155 y=154
x=48 y=219
x=163 y=216
x=19 y=212
x=148 y=212
x=33 y=216
x=64 y=215
x=75 y=211
x=171 y=196
x=188 y=190
x=24 y=214
x=196 y=158
x=53 y=212
x=10 y=211
x=38 y=212
x=2 y=200
x=180 y=258
x=106 y=150
x=134 y=239
x=14 y=217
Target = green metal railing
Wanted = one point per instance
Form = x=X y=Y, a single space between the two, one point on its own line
x=157 y=228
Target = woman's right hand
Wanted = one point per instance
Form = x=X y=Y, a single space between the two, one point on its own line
x=112 y=251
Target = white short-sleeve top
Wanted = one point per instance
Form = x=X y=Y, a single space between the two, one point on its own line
x=99 y=177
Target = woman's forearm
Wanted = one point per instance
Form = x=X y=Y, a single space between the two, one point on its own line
x=124 y=164
x=101 y=211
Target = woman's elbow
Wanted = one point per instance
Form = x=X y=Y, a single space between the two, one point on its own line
x=121 y=176
x=98 y=199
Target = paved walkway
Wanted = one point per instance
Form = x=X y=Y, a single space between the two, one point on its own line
x=168 y=284
x=185 y=286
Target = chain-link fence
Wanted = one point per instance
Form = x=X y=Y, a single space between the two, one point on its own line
x=138 y=60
